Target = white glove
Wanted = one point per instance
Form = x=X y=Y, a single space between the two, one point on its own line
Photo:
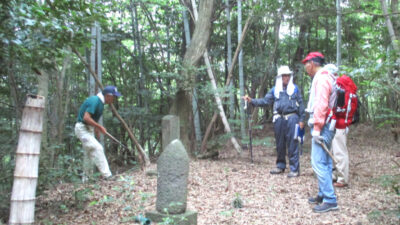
x=316 y=137
x=310 y=122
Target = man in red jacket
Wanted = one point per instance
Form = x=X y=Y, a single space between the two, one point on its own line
x=320 y=102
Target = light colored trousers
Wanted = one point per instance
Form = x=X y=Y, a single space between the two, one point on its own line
x=93 y=149
x=341 y=154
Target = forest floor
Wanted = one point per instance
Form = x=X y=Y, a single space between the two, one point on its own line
x=213 y=185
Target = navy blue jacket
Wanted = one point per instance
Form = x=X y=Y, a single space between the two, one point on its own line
x=285 y=104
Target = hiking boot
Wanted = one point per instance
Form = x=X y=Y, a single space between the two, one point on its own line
x=277 y=171
x=325 y=207
x=316 y=200
x=339 y=185
x=293 y=174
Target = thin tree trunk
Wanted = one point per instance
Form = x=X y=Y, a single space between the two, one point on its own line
x=396 y=18
x=207 y=133
x=143 y=158
x=142 y=100
x=389 y=26
x=197 y=129
x=338 y=33
x=241 y=76
x=229 y=59
x=43 y=90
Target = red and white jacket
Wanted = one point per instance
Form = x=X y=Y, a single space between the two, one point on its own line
x=321 y=99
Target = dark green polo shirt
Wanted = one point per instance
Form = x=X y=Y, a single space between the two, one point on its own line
x=92 y=105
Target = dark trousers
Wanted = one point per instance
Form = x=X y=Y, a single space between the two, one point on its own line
x=284 y=133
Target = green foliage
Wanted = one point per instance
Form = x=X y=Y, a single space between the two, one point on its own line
x=237 y=202
x=390 y=182
x=81 y=196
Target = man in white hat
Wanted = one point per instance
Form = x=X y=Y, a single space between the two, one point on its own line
x=288 y=111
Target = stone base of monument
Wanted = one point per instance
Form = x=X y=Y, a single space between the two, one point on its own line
x=187 y=218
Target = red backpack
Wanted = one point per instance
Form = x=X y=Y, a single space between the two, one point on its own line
x=346 y=102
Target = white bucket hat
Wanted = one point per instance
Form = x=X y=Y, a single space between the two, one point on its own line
x=279 y=84
x=284 y=70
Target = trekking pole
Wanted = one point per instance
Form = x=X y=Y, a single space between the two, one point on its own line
x=116 y=140
x=248 y=112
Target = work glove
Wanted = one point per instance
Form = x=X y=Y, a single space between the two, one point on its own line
x=310 y=122
x=317 y=137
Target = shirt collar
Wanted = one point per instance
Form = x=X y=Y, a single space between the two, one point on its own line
x=101 y=96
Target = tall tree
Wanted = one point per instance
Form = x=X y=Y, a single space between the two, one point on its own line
x=182 y=103
x=389 y=26
x=241 y=76
x=229 y=58
x=196 y=117
x=338 y=34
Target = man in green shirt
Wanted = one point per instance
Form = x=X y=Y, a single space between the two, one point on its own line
x=87 y=125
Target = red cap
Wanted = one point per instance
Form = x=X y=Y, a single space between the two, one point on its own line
x=312 y=55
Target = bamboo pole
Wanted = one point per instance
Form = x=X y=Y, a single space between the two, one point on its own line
x=22 y=209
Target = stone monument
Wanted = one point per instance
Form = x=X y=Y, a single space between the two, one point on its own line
x=170 y=129
x=172 y=180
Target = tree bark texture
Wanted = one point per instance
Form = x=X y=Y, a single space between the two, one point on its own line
x=182 y=104
x=22 y=209
x=241 y=76
x=196 y=114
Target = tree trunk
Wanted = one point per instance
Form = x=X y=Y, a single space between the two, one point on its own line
x=396 y=18
x=182 y=103
x=22 y=208
x=196 y=117
x=229 y=59
x=389 y=26
x=142 y=100
x=241 y=76
x=338 y=34
x=43 y=90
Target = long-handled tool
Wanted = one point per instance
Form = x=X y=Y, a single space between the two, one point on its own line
x=116 y=140
x=332 y=157
x=248 y=112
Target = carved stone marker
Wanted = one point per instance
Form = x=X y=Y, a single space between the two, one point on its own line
x=173 y=172
x=170 y=129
